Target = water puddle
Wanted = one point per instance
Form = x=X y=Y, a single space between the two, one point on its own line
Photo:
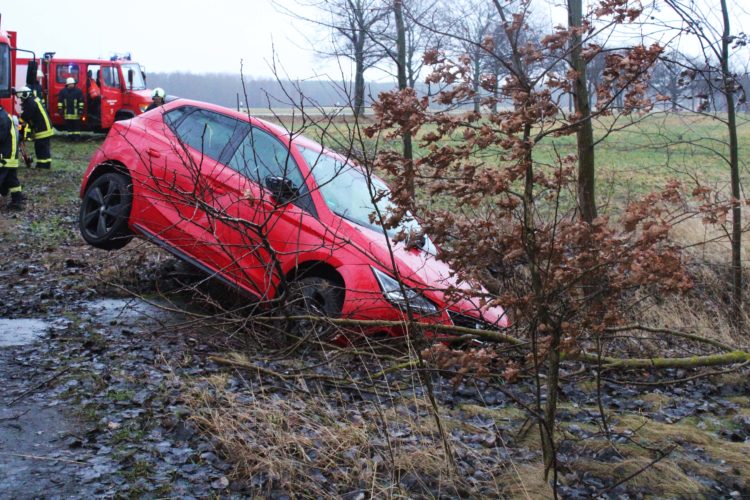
x=126 y=311
x=16 y=332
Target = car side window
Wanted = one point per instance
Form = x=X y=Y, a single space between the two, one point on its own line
x=261 y=155
x=209 y=133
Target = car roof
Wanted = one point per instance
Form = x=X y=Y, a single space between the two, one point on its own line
x=177 y=102
x=298 y=139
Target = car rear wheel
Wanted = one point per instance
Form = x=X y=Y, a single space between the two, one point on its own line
x=105 y=211
x=316 y=298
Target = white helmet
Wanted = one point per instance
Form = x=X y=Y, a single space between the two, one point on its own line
x=70 y=81
x=158 y=92
x=23 y=92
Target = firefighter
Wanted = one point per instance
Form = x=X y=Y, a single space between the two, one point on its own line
x=157 y=97
x=33 y=114
x=70 y=106
x=37 y=89
x=9 y=183
x=94 y=95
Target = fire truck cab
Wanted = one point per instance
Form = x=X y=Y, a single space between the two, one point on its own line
x=7 y=68
x=119 y=82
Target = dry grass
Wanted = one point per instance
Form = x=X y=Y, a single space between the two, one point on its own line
x=526 y=481
x=709 y=243
x=706 y=309
x=662 y=479
x=309 y=444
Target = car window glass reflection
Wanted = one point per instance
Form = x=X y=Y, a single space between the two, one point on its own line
x=209 y=133
x=261 y=155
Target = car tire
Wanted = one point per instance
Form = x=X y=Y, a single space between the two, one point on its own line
x=314 y=296
x=105 y=210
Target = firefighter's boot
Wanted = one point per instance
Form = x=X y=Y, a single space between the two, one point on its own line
x=17 y=201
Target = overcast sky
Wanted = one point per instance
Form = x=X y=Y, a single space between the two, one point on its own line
x=189 y=35
x=212 y=35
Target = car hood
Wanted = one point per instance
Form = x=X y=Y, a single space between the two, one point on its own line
x=429 y=274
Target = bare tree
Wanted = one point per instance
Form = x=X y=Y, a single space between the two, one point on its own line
x=418 y=18
x=469 y=25
x=585 y=132
x=669 y=80
x=714 y=69
x=356 y=28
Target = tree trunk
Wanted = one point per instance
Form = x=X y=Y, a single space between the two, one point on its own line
x=585 y=133
x=401 y=63
x=475 y=84
x=359 y=77
x=734 y=167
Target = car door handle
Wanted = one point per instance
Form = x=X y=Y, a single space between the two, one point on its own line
x=153 y=153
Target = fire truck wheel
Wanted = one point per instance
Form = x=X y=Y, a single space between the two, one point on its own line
x=105 y=211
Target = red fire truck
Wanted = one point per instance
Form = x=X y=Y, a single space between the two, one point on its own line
x=7 y=67
x=121 y=84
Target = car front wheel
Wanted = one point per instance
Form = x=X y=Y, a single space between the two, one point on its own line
x=105 y=210
x=314 y=298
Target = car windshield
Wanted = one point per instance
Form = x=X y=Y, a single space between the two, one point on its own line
x=352 y=194
x=138 y=81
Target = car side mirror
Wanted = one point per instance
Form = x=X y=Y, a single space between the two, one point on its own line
x=415 y=239
x=131 y=75
x=282 y=189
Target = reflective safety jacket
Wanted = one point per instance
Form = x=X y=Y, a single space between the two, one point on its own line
x=37 y=91
x=8 y=141
x=70 y=103
x=94 y=91
x=34 y=114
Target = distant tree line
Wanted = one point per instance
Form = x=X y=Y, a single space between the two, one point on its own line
x=226 y=89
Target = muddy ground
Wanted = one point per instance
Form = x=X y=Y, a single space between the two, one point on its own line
x=114 y=385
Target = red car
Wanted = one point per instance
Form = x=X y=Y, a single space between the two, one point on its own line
x=267 y=211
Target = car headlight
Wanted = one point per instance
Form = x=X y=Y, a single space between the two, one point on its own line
x=394 y=294
x=143 y=107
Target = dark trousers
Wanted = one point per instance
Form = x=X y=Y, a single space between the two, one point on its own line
x=43 y=156
x=95 y=105
x=73 y=126
x=9 y=182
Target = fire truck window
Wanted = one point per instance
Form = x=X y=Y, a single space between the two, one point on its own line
x=4 y=71
x=93 y=72
x=65 y=71
x=110 y=77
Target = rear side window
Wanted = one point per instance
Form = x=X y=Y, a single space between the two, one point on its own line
x=65 y=71
x=209 y=133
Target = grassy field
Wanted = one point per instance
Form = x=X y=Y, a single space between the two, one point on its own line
x=639 y=156
x=657 y=148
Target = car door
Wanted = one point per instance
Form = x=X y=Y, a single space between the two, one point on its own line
x=262 y=231
x=195 y=179
x=109 y=84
